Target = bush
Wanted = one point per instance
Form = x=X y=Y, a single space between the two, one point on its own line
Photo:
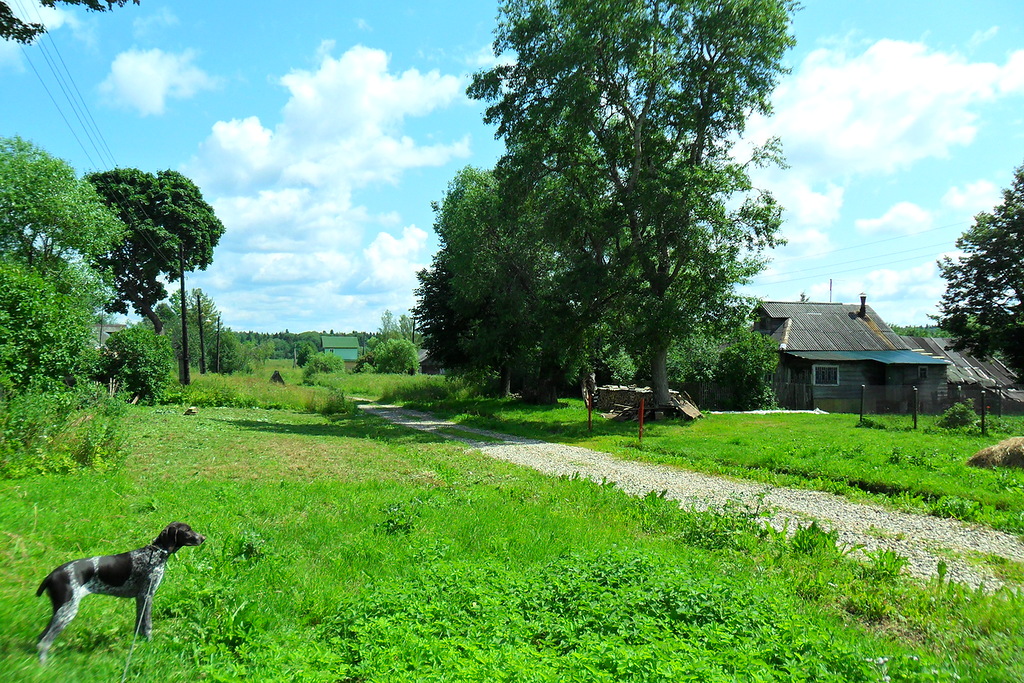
x=396 y=356
x=45 y=336
x=140 y=361
x=322 y=364
x=747 y=366
x=304 y=352
x=958 y=416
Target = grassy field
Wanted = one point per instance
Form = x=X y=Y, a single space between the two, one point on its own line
x=341 y=548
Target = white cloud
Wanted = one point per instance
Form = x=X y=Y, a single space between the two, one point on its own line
x=147 y=25
x=980 y=195
x=393 y=262
x=340 y=128
x=979 y=38
x=904 y=217
x=363 y=25
x=298 y=245
x=883 y=109
x=145 y=80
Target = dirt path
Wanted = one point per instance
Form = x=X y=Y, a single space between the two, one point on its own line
x=925 y=541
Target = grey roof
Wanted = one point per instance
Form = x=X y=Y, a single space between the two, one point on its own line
x=826 y=327
x=965 y=369
x=900 y=357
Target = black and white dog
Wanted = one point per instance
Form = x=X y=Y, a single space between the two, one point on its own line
x=134 y=574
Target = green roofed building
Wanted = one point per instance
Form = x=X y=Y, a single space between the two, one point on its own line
x=346 y=347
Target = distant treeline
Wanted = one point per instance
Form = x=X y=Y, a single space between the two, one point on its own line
x=919 y=331
x=285 y=343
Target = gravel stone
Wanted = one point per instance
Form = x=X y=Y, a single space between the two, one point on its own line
x=924 y=540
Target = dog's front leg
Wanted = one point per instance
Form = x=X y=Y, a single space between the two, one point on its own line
x=143 y=613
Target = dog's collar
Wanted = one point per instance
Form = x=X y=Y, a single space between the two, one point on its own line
x=164 y=552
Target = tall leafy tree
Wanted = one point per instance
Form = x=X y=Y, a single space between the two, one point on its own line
x=170 y=228
x=635 y=107
x=983 y=307
x=49 y=218
x=15 y=28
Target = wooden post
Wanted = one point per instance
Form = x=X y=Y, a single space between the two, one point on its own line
x=202 y=336
x=863 y=391
x=590 y=411
x=185 y=371
x=915 y=407
x=984 y=412
x=218 y=344
x=641 y=421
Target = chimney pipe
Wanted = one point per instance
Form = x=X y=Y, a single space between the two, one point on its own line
x=863 y=312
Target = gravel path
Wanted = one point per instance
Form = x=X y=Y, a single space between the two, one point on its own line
x=924 y=541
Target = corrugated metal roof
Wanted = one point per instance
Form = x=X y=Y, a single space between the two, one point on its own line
x=827 y=327
x=965 y=369
x=899 y=357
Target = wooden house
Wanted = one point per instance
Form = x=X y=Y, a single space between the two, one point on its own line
x=345 y=347
x=835 y=349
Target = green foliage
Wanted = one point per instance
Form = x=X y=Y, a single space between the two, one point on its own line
x=747 y=366
x=396 y=356
x=958 y=416
x=322 y=364
x=13 y=28
x=619 y=119
x=48 y=217
x=45 y=335
x=304 y=351
x=982 y=307
x=140 y=362
x=170 y=228
x=58 y=432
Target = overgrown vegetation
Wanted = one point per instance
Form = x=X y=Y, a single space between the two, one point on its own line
x=350 y=549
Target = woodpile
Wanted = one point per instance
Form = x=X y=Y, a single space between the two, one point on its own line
x=623 y=403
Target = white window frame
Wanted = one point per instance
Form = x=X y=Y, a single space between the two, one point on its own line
x=814 y=375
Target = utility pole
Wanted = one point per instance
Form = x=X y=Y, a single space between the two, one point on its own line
x=218 y=344
x=202 y=330
x=184 y=372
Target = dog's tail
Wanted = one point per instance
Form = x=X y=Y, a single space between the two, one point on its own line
x=43 y=586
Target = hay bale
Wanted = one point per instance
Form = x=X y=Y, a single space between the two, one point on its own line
x=1009 y=453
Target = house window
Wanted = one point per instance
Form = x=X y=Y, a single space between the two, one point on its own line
x=826 y=375
x=922 y=372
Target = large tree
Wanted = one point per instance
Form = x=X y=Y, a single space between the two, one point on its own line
x=15 y=28
x=497 y=297
x=983 y=307
x=171 y=229
x=635 y=107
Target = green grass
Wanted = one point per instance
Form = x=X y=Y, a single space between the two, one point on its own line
x=343 y=548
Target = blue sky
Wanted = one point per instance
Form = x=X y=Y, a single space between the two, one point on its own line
x=321 y=131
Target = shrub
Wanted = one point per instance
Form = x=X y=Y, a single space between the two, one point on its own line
x=747 y=366
x=304 y=352
x=958 y=416
x=322 y=364
x=45 y=335
x=395 y=356
x=140 y=361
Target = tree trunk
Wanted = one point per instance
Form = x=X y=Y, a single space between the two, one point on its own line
x=506 y=381
x=659 y=374
x=158 y=324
